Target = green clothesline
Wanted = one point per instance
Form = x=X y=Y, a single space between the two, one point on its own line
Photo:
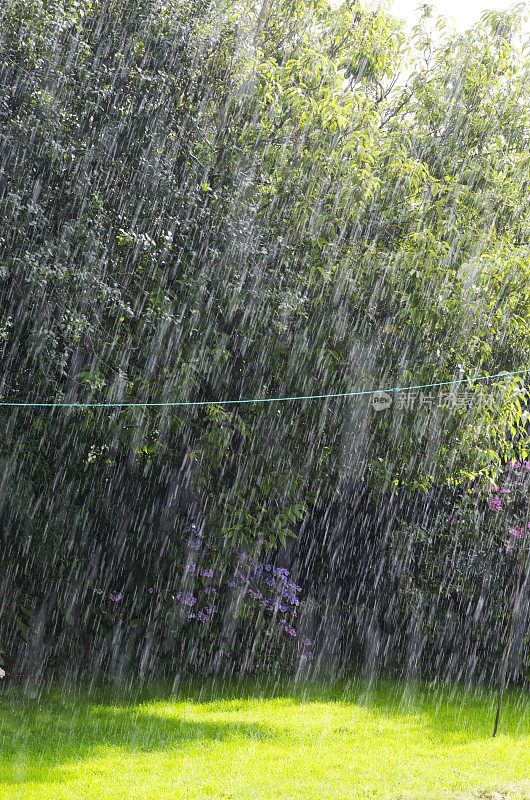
x=259 y=399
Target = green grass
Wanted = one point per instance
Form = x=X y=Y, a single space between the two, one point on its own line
x=384 y=740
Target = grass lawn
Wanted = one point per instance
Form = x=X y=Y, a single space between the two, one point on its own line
x=381 y=740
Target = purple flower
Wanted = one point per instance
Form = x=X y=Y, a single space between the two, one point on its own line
x=293 y=600
x=189 y=601
x=454 y=520
x=254 y=595
x=281 y=571
x=189 y=567
x=231 y=583
x=116 y=596
x=210 y=590
x=495 y=504
x=194 y=544
x=294 y=588
x=194 y=530
x=207 y=573
x=305 y=641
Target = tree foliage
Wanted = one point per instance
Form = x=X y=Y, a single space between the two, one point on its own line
x=206 y=201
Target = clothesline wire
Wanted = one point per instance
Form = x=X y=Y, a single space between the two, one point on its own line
x=170 y=404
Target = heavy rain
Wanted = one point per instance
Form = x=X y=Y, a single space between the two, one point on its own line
x=264 y=404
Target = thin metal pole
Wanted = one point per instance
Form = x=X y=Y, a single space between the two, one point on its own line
x=518 y=587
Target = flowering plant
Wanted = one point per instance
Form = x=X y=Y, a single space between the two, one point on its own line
x=227 y=603
x=456 y=573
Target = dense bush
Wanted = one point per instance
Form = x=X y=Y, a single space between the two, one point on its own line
x=203 y=201
x=458 y=576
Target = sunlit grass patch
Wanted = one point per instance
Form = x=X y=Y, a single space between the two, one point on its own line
x=387 y=741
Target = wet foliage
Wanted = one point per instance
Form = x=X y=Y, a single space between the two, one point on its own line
x=205 y=201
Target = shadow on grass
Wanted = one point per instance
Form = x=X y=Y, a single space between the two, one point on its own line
x=445 y=710
x=60 y=728
x=35 y=739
